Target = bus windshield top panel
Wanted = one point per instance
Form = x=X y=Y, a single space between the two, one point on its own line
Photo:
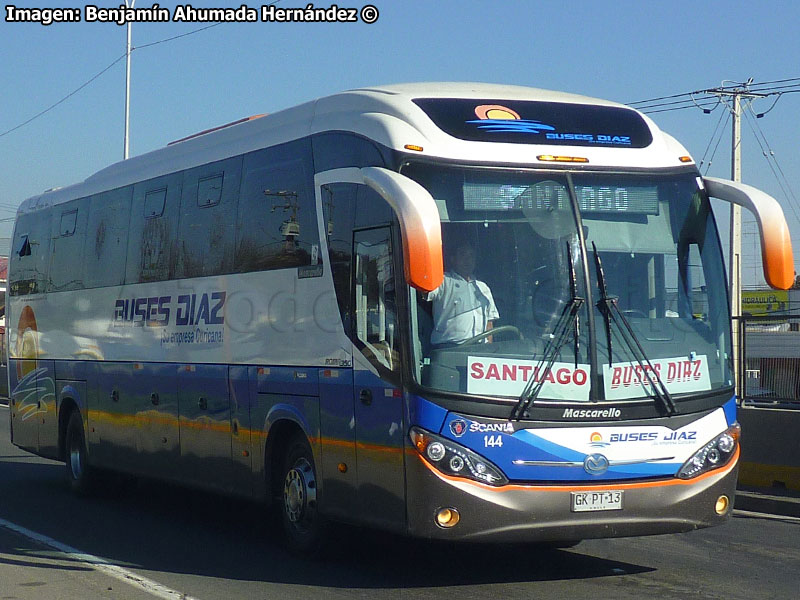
x=533 y=122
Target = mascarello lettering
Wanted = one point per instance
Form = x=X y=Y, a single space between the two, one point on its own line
x=578 y=413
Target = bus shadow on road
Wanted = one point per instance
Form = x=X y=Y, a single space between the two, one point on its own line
x=233 y=539
x=143 y=524
x=371 y=559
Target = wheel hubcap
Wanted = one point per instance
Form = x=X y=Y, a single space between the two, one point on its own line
x=75 y=461
x=299 y=492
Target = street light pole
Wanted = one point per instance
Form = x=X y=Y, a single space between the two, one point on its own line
x=735 y=95
x=735 y=261
x=127 y=82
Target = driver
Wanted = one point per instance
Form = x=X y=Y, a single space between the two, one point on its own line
x=463 y=307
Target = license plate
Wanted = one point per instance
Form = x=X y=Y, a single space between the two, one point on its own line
x=596 y=500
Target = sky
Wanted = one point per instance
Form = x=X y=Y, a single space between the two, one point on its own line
x=621 y=50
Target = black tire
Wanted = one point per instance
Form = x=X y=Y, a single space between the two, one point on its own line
x=302 y=524
x=79 y=473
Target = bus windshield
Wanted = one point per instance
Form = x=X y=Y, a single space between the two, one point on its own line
x=523 y=272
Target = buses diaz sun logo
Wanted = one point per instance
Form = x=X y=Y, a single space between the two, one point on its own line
x=500 y=119
x=596 y=440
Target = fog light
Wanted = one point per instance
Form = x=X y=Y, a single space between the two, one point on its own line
x=447 y=517
x=722 y=505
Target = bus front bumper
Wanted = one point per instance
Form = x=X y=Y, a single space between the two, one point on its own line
x=531 y=513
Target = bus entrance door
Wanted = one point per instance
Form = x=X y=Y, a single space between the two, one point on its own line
x=379 y=450
x=376 y=371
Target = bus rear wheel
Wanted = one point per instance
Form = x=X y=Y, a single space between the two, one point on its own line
x=79 y=474
x=302 y=524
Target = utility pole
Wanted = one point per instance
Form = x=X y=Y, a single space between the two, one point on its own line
x=128 y=4
x=735 y=96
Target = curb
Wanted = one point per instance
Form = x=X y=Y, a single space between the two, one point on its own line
x=767 y=502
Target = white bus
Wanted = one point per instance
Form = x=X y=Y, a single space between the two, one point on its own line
x=454 y=311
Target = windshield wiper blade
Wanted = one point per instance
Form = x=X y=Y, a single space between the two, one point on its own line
x=573 y=289
x=611 y=312
x=568 y=317
x=603 y=303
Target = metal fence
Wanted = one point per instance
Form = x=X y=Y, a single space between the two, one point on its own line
x=770 y=351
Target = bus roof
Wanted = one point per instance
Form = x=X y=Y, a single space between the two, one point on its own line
x=399 y=116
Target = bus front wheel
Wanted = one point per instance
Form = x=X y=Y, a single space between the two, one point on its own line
x=302 y=523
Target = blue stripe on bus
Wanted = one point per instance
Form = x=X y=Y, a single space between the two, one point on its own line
x=730 y=411
x=425 y=414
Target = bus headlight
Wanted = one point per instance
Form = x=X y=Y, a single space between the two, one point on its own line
x=713 y=455
x=454 y=459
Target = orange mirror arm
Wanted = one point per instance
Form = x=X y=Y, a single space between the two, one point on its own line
x=776 y=244
x=420 y=226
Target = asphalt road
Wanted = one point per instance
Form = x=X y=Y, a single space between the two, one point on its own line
x=145 y=540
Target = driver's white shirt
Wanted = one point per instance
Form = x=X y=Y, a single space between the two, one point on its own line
x=461 y=309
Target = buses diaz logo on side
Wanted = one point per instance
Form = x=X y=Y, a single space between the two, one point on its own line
x=161 y=311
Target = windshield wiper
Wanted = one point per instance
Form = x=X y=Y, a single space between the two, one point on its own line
x=610 y=309
x=568 y=319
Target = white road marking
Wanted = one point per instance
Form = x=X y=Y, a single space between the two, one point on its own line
x=143 y=583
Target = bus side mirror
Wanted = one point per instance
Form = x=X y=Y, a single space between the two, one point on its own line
x=776 y=244
x=419 y=225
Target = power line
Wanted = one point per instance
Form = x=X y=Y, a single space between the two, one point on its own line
x=64 y=99
x=797 y=79
x=769 y=154
x=719 y=139
x=660 y=98
x=703 y=106
x=690 y=100
x=182 y=35
x=699 y=98
x=156 y=43
x=96 y=76
x=749 y=89
x=727 y=116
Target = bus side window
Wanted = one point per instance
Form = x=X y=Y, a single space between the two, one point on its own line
x=339 y=149
x=153 y=229
x=106 y=247
x=377 y=331
x=276 y=223
x=68 y=237
x=208 y=219
x=338 y=210
x=691 y=284
x=31 y=251
x=372 y=208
